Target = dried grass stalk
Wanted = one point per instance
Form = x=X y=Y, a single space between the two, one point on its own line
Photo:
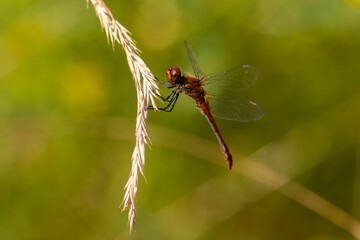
x=147 y=91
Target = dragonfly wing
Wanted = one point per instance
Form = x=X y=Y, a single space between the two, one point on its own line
x=241 y=110
x=197 y=70
x=236 y=79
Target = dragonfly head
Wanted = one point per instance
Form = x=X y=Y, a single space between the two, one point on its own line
x=173 y=74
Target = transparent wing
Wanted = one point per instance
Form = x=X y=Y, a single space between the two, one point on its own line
x=241 y=110
x=236 y=79
x=197 y=70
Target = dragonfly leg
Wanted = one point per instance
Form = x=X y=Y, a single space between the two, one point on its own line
x=171 y=99
x=171 y=104
x=150 y=107
x=162 y=98
x=166 y=84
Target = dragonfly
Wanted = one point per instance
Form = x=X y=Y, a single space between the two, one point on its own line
x=195 y=86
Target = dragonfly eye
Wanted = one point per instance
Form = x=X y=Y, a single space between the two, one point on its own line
x=173 y=74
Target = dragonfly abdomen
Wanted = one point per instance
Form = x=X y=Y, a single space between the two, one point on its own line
x=205 y=110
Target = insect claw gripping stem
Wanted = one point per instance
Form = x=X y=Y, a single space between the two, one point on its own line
x=171 y=103
x=171 y=99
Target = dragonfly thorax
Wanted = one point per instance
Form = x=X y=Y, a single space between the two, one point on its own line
x=173 y=75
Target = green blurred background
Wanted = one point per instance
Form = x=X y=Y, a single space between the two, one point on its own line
x=68 y=108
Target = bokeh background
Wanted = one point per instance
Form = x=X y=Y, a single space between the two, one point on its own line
x=68 y=108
